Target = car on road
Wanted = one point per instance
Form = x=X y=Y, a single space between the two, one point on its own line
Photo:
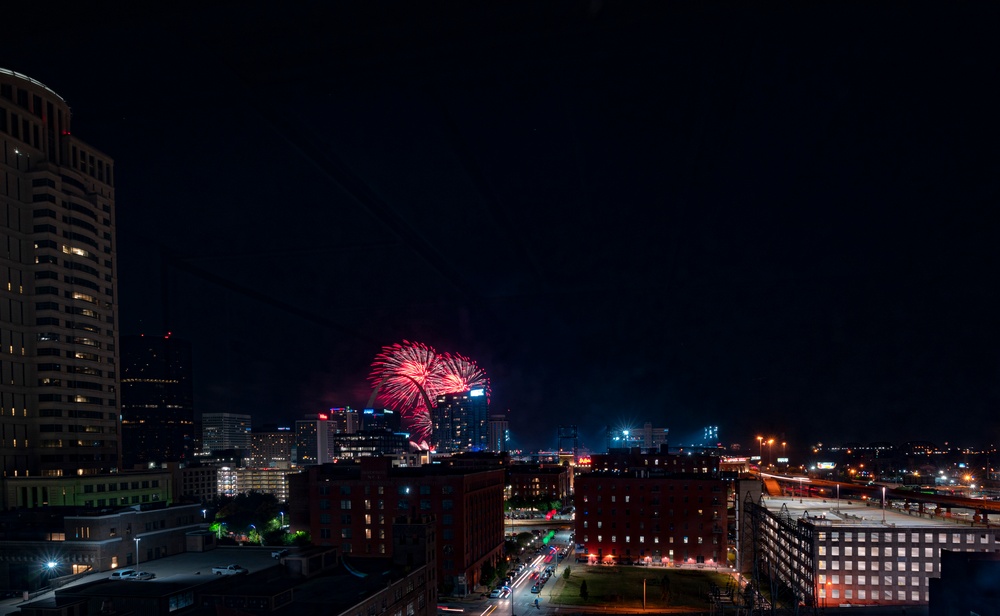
x=536 y=589
x=495 y=593
x=140 y=576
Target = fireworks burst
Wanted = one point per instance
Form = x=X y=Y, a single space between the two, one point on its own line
x=457 y=373
x=409 y=376
x=400 y=373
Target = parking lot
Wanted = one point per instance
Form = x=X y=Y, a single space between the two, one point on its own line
x=254 y=558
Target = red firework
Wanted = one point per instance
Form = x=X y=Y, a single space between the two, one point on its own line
x=409 y=377
x=454 y=373
x=400 y=374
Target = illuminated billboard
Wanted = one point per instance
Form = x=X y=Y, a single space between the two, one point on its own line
x=826 y=466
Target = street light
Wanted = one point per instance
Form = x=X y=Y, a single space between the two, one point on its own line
x=137 y=540
x=770 y=442
x=760 y=444
x=282 y=518
x=204 y=514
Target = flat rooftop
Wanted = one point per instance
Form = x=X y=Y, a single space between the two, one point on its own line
x=866 y=513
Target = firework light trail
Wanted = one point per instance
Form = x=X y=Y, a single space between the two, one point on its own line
x=455 y=373
x=409 y=376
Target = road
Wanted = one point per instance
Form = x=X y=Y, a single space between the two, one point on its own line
x=522 y=598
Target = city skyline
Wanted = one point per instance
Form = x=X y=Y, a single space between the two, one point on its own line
x=623 y=213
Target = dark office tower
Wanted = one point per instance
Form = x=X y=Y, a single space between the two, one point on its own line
x=157 y=400
x=461 y=421
x=498 y=434
x=57 y=290
x=312 y=440
x=225 y=431
x=381 y=419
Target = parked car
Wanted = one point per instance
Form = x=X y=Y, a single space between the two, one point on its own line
x=495 y=593
x=121 y=574
x=228 y=570
x=536 y=589
x=140 y=576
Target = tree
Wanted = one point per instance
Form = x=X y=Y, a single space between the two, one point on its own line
x=250 y=508
x=583 y=589
x=523 y=539
x=566 y=573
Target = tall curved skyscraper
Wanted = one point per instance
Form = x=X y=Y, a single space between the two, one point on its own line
x=59 y=408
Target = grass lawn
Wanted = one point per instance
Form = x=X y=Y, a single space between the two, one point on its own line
x=622 y=587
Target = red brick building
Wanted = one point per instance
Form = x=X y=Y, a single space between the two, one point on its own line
x=651 y=516
x=353 y=506
x=534 y=481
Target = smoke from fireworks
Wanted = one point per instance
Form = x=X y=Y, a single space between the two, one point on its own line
x=409 y=376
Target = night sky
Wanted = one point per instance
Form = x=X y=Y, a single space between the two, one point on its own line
x=775 y=218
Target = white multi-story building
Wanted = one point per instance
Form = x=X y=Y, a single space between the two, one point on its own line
x=833 y=554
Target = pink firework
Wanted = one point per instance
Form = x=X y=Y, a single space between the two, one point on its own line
x=408 y=378
x=454 y=373
x=420 y=425
x=400 y=374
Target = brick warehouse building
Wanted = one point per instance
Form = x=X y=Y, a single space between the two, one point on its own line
x=534 y=481
x=353 y=506
x=651 y=516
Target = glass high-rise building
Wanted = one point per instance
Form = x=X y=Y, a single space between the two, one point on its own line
x=58 y=321
x=461 y=422
x=157 y=400
x=225 y=431
x=498 y=433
